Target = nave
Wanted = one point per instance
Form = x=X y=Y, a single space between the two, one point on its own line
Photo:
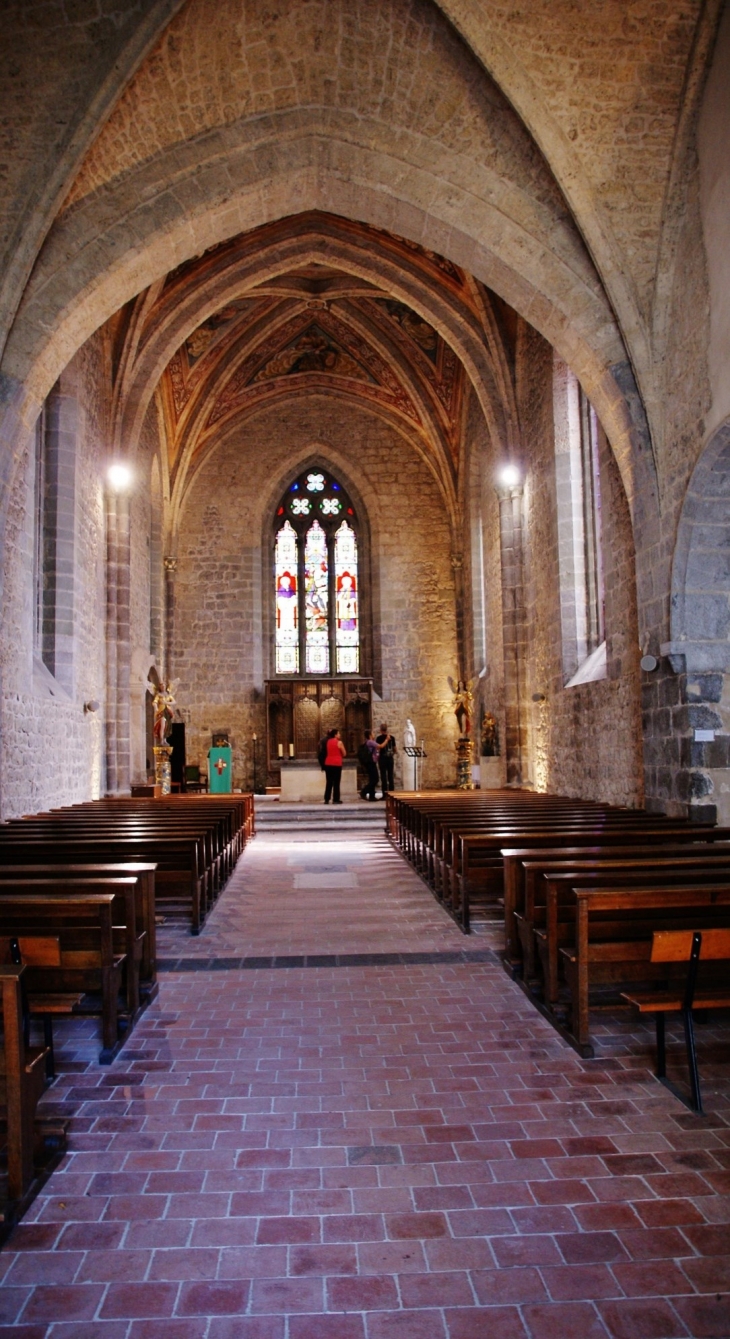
x=393 y=1145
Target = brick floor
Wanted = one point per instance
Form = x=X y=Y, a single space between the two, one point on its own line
x=383 y=1149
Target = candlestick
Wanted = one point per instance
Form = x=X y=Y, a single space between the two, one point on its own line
x=281 y=750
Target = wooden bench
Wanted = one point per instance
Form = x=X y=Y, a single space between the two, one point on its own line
x=79 y=876
x=613 y=935
x=479 y=865
x=179 y=877
x=90 y=963
x=22 y=1080
x=523 y=866
x=129 y=934
x=619 y=867
x=691 y=947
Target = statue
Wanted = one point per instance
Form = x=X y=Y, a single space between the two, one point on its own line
x=163 y=701
x=490 y=740
x=463 y=703
x=409 y=762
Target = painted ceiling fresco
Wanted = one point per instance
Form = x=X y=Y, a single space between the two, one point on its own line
x=313 y=325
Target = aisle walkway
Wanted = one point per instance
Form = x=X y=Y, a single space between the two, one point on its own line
x=397 y=1147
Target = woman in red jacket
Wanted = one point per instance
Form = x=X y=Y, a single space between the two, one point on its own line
x=333 y=766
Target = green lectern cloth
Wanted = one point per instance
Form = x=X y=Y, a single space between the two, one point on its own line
x=220 y=771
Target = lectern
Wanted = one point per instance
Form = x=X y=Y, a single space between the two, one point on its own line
x=220 y=771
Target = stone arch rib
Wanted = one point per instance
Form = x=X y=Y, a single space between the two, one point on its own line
x=700 y=602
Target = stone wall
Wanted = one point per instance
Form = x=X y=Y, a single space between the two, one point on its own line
x=586 y=740
x=52 y=751
x=222 y=620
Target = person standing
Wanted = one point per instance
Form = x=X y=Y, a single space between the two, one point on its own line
x=368 y=758
x=334 y=754
x=386 y=758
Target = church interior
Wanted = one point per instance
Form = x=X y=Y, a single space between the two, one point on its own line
x=363 y=362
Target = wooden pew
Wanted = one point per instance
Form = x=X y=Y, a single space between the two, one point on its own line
x=129 y=933
x=523 y=863
x=84 y=925
x=22 y=1081
x=485 y=852
x=623 y=865
x=144 y=876
x=178 y=878
x=561 y=908
x=613 y=934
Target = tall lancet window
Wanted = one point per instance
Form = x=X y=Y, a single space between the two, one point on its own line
x=347 y=636
x=316 y=578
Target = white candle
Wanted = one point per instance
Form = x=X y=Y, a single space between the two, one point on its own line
x=281 y=750
x=291 y=750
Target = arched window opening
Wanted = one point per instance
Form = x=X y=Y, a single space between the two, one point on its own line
x=316 y=578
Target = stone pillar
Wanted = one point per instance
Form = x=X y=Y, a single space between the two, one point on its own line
x=118 y=642
x=170 y=565
x=515 y=630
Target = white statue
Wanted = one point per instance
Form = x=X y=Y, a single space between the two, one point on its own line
x=409 y=763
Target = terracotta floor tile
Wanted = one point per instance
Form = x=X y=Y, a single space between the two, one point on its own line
x=705 y=1317
x=563 y=1319
x=406 y=1325
x=140 y=1299
x=326 y=1327
x=287 y=1295
x=575 y=1283
x=373 y=1293
x=654 y=1319
x=493 y=1323
x=494 y=1287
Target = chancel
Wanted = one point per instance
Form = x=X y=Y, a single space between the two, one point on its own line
x=365 y=363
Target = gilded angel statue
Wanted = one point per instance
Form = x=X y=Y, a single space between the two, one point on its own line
x=163 y=701
x=463 y=703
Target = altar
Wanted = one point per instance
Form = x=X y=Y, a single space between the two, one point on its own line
x=303 y=782
x=299 y=712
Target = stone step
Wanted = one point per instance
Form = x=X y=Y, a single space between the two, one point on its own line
x=275 y=816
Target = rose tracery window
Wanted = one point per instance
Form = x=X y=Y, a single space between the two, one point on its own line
x=316 y=578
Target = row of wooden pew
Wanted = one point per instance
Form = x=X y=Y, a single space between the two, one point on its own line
x=582 y=888
x=80 y=892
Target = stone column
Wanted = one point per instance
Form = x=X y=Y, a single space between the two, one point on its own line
x=515 y=630
x=118 y=642
x=170 y=565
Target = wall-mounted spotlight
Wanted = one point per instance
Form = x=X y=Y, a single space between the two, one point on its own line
x=119 y=477
x=91 y=706
x=509 y=476
x=648 y=663
x=538 y=697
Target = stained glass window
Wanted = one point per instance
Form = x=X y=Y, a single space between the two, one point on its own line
x=316 y=601
x=347 y=634
x=287 y=612
x=317 y=592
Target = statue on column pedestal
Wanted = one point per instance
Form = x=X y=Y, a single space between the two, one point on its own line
x=463 y=711
x=409 y=762
x=163 y=701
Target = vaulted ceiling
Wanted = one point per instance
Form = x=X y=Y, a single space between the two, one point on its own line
x=310 y=305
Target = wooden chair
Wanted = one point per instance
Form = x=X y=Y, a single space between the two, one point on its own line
x=684 y=946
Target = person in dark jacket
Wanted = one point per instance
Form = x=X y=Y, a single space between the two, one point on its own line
x=367 y=755
x=386 y=758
